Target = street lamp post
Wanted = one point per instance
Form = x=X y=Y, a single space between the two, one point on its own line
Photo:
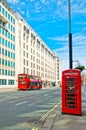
x=70 y=36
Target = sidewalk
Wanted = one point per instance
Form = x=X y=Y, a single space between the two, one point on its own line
x=58 y=121
x=4 y=90
x=8 y=89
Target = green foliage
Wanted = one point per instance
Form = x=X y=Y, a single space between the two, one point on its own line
x=80 y=67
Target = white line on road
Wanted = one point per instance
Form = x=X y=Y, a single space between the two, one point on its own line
x=49 y=96
x=21 y=103
x=45 y=95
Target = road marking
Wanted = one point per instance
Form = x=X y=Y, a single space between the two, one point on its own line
x=34 y=128
x=45 y=115
x=21 y=103
x=45 y=95
x=49 y=96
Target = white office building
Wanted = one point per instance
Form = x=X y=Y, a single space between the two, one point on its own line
x=7 y=46
x=34 y=56
x=23 y=51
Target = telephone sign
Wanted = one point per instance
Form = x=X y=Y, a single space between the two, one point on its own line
x=71 y=92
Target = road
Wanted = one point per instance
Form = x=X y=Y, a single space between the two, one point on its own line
x=20 y=110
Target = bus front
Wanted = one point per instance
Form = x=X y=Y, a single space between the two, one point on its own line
x=34 y=84
x=23 y=81
x=39 y=81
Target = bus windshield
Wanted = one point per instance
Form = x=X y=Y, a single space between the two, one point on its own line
x=30 y=76
x=22 y=76
x=33 y=83
x=22 y=82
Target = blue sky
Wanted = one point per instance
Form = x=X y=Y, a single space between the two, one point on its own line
x=49 y=19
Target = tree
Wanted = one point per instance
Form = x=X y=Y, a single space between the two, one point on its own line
x=80 y=67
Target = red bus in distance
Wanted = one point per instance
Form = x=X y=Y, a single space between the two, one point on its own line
x=39 y=79
x=27 y=82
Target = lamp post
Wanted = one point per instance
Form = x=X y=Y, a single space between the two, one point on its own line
x=70 y=35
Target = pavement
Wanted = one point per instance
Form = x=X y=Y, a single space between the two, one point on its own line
x=55 y=120
x=58 y=121
x=4 y=90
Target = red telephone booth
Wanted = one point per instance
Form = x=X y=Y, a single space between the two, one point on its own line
x=71 y=92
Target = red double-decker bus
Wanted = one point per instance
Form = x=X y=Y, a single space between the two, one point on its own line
x=26 y=81
x=39 y=80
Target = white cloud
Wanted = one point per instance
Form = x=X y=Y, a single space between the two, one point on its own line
x=63 y=38
x=37 y=7
x=32 y=0
x=28 y=14
x=22 y=3
x=13 y=1
x=22 y=12
x=77 y=9
x=42 y=1
x=59 y=3
x=78 y=49
x=54 y=10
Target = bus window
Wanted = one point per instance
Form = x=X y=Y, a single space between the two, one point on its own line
x=22 y=76
x=22 y=82
x=30 y=76
x=33 y=83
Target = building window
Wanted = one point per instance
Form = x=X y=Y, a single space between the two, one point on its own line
x=32 y=36
x=23 y=45
x=9 y=72
x=13 y=21
x=24 y=61
x=3 y=82
x=2 y=30
x=5 y=62
x=10 y=82
x=5 y=42
x=27 y=63
x=3 y=11
x=9 y=16
x=27 y=55
x=27 y=31
x=6 y=13
x=27 y=39
x=2 y=41
x=24 y=53
x=24 y=28
x=0 y=50
x=3 y=51
x=27 y=71
x=24 y=36
x=2 y=71
x=27 y=47
x=24 y=70
x=2 y=61
x=0 y=8
x=5 y=72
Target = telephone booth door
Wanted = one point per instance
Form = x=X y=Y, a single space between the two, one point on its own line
x=71 y=92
